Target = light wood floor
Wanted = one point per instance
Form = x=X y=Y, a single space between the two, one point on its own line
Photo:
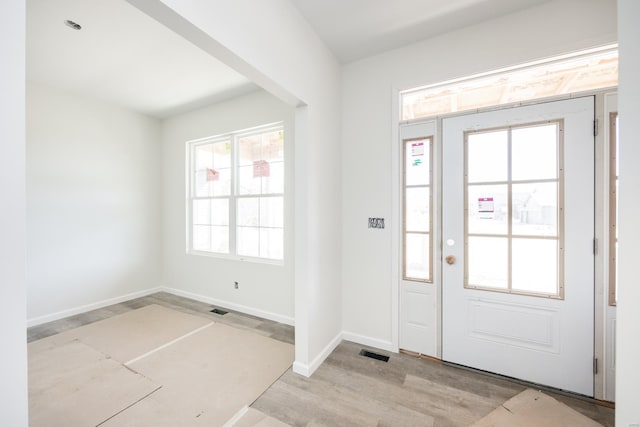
x=352 y=390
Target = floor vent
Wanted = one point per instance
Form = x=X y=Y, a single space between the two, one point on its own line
x=218 y=311
x=373 y=355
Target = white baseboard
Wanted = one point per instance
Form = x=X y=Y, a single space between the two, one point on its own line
x=308 y=370
x=370 y=342
x=232 y=306
x=88 y=307
x=301 y=369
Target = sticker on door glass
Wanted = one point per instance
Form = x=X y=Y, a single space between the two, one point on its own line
x=417 y=149
x=486 y=207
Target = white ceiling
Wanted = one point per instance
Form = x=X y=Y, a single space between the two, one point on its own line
x=355 y=29
x=123 y=57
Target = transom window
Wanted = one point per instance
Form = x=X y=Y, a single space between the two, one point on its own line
x=418 y=242
x=579 y=72
x=236 y=194
x=513 y=209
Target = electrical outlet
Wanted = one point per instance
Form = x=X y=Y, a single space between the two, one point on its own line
x=235 y=285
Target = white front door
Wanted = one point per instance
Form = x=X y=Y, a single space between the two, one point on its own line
x=418 y=292
x=517 y=232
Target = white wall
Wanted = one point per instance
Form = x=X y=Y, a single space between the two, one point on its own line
x=270 y=42
x=13 y=369
x=369 y=131
x=93 y=205
x=264 y=289
x=628 y=344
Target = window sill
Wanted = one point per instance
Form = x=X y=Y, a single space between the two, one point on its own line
x=228 y=257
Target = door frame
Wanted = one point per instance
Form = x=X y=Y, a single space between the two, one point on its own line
x=601 y=269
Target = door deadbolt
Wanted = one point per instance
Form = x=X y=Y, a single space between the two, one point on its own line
x=450 y=259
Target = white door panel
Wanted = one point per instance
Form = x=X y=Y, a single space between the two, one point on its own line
x=539 y=339
x=418 y=314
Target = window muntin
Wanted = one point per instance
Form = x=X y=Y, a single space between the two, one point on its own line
x=417 y=209
x=513 y=210
x=236 y=194
x=584 y=71
x=613 y=207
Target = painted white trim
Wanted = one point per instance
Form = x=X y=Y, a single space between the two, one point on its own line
x=127 y=297
x=370 y=342
x=237 y=417
x=301 y=369
x=308 y=370
x=88 y=307
x=396 y=219
x=232 y=306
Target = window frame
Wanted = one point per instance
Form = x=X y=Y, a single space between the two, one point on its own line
x=234 y=195
x=405 y=142
x=510 y=235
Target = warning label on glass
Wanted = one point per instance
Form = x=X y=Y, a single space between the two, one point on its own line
x=485 y=205
x=417 y=149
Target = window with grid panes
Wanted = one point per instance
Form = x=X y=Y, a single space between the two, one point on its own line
x=514 y=209
x=236 y=194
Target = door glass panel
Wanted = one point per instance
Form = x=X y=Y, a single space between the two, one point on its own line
x=487 y=209
x=535 y=265
x=513 y=177
x=488 y=262
x=417 y=256
x=534 y=152
x=535 y=209
x=487 y=156
x=417 y=162
x=417 y=209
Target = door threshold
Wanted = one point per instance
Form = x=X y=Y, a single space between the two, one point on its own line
x=541 y=387
x=420 y=356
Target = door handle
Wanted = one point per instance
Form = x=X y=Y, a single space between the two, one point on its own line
x=450 y=259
